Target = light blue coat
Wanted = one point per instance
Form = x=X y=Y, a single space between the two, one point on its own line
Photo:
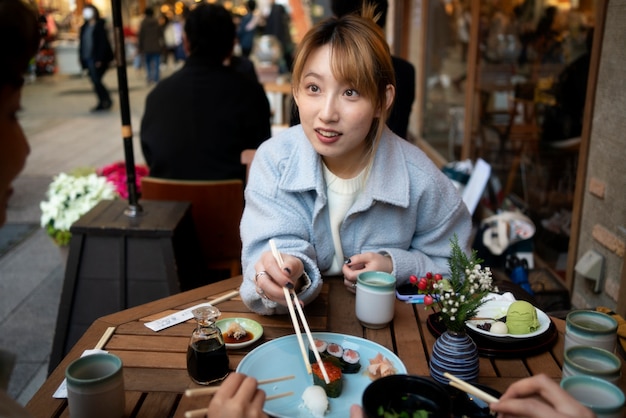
x=408 y=209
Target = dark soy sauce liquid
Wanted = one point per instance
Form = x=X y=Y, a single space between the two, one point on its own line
x=207 y=361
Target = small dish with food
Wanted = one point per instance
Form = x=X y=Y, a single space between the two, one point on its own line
x=239 y=332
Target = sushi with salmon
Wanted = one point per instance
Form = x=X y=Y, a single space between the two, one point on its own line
x=335 y=386
x=347 y=359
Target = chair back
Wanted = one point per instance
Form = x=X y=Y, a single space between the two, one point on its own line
x=247 y=156
x=216 y=208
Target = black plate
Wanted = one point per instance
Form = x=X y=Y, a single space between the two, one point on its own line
x=502 y=347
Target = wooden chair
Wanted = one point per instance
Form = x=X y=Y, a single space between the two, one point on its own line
x=247 y=156
x=216 y=208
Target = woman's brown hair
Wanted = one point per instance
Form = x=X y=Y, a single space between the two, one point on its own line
x=359 y=55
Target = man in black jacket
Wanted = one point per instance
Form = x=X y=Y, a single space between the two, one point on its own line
x=197 y=121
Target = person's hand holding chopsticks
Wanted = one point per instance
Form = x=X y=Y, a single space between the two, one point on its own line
x=539 y=396
x=237 y=397
x=270 y=278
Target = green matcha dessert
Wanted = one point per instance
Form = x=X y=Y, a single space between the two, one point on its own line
x=521 y=318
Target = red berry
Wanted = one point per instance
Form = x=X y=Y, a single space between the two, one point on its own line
x=413 y=279
x=438 y=277
x=428 y=300
x=422 y=284
x=429 y=275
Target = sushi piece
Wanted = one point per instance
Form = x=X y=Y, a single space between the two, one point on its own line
x=315 y=400
x=320 y=346
x=350 y=361
x=334 y=350
x=334 y=388
x=236 y=331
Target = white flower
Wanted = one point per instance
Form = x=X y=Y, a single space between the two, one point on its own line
x=70 y=197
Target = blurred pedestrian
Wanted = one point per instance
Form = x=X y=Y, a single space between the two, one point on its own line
x=151 y=45
x=96 y=54
x=247 y=28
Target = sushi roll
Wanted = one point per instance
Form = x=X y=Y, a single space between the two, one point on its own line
x=334 y=350
x=350 y=361
x=320 y=346
x=334 y=388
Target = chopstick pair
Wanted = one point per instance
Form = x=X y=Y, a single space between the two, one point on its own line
x=198 y=413
x=202 y=412
x=211 y=390
x=294 y=319
x=469 y=388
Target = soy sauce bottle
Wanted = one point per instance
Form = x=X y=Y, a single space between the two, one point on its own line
x=207 y=361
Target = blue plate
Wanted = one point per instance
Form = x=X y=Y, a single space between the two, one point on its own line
x=282 y=357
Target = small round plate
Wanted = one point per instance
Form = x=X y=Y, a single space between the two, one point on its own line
x=250 y=325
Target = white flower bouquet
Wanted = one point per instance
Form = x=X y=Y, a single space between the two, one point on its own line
x=70 y=196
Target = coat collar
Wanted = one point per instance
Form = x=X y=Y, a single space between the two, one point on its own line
x=388 y=180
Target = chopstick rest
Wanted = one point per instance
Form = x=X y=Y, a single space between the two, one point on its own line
x=186 y=314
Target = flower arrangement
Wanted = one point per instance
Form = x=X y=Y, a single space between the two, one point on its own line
x=69 y=197
x=116 y=174
x=459 y=296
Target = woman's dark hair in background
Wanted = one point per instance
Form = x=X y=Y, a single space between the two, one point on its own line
x=210 y=32
x=19 y=26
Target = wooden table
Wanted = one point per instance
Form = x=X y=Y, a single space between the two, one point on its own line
x=155 y=362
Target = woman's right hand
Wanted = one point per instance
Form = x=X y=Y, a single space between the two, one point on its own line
x=270 y=278
x=539 y=396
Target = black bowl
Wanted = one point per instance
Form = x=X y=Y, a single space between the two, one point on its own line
x=406 y=393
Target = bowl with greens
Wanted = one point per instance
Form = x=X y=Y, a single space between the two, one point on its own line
x=406 y=396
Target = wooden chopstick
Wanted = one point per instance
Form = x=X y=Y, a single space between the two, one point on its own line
x=199 y=413
x=105 y=337
x=211 y=390
x=469 y=388
x=294 y=320
x=225 y=297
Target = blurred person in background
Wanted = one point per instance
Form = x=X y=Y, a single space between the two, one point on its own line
x=95 y=54
x=197 y=121
x=150 y=45
x=247 y=28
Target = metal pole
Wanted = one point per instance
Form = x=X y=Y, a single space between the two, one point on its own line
x=134 y=209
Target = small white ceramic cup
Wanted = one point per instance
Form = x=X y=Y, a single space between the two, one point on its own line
x=375 y=298
x=592 y=361
x=95 y=386
x=590 y=328
x=604 y=398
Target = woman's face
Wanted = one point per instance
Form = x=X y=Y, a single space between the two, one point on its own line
x=335 y=117
x=13 y=145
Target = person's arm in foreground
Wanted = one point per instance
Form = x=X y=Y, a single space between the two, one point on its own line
x=539 y=396
x=238 y=397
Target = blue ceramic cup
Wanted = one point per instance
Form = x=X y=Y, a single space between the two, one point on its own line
x=592 y=361
x=95 y=386
x=375 y=298
x=590 y=328
x=604 y=398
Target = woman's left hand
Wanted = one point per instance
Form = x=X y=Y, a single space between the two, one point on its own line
x=359 y=263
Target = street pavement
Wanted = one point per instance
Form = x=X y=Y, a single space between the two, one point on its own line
x=63 y=135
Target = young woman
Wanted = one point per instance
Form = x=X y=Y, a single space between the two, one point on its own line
x=340 y=193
